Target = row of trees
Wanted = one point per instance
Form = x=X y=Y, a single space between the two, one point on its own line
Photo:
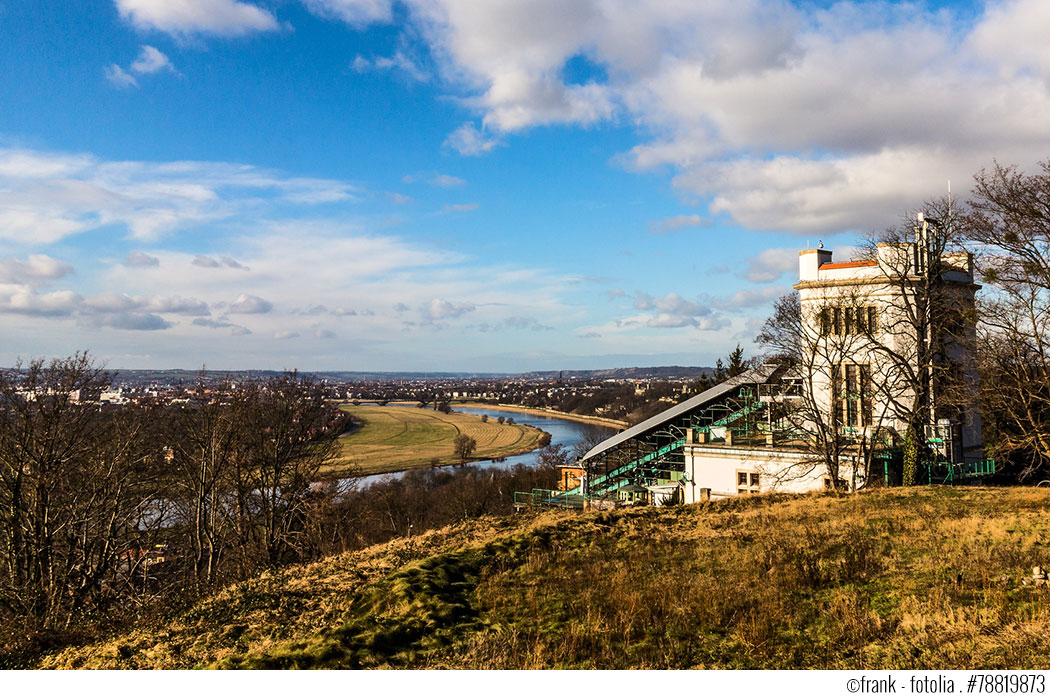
x=923 y=356
x=106 y=514
x=102 y=508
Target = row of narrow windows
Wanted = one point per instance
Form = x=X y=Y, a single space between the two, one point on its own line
x=851 y=394
x=847 y=320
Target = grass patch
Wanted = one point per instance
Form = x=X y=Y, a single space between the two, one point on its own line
x=395 y=437
x=895 y=578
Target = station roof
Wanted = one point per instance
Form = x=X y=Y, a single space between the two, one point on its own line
x=758 y=375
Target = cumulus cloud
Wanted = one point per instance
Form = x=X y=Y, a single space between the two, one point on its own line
x=222 y=322
x=137 y=258
x=230 y=262
x=285 y=335
x=467 y=140
x=23 y=300
x=204 y=261
x=674 y=311
x=132 y=321
x=807 y=118
x=770 y=264
x=151 y=60
x=355 y=12
x=33 y=270
x=112 y=301
x=250 y=304
x=187 y=17
x=441 y=309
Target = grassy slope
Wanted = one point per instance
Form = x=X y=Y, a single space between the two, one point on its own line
x=897 y=578
x=397 y=437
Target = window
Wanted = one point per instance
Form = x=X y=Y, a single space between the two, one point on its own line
x=847 y=320
x=747 y=482
x=852 y=395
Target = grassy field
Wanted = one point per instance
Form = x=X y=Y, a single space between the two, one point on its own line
x=395 y=437
x=897 y=578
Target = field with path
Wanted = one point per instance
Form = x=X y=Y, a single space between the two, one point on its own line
x=395 y=437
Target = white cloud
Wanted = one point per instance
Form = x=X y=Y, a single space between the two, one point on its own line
x=34 y=269
x=150 y=61
x=673 y=311
x=770 y=264
x=45 y=197
x=398 y=62
x=1013 y=36
x=137 y=258
x=447 y=181
x=119 y=78
x=468 y=141
x=356 y=12
x=132 y=321
x=205 y=261
x=813 y=118
x=250 y=304
x=188 y=17
x=22 y=299
x=440 y=309
x=285 y=335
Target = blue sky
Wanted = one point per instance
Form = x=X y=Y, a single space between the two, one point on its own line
x=461 y=185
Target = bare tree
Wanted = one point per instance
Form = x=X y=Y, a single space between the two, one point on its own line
x=75 y=484
x=290 y=434
x=206 y=439
x=463 y=447
x=1010 y=218
x=884 y=354
x=833 y=402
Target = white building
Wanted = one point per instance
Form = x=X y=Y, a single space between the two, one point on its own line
x=866 y=334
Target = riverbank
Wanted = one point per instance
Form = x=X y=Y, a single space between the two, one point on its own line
x=394 y=438
x=551 y=413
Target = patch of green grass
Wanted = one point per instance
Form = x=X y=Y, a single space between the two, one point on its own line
x=395 y=437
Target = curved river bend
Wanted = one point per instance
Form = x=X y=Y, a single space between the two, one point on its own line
x=566 y=433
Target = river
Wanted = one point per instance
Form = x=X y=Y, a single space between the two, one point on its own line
x=567 y=433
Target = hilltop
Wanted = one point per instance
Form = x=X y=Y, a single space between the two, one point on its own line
x=896 y=578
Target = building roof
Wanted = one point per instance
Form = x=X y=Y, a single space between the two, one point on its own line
x=758 y=375
x=841 y=265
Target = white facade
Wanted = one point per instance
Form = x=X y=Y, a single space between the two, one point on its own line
x=855 y=320
x=717 y=471
x=835 y=295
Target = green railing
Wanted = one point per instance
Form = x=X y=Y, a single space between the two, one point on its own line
x=599 y=485
x=545 y=498
x=948 y=473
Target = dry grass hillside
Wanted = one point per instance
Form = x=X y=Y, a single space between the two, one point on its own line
x=899 y=578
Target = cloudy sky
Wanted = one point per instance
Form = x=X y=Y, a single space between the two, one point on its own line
x=487 y=185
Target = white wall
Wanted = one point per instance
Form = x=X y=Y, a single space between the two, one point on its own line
x=715 y=467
